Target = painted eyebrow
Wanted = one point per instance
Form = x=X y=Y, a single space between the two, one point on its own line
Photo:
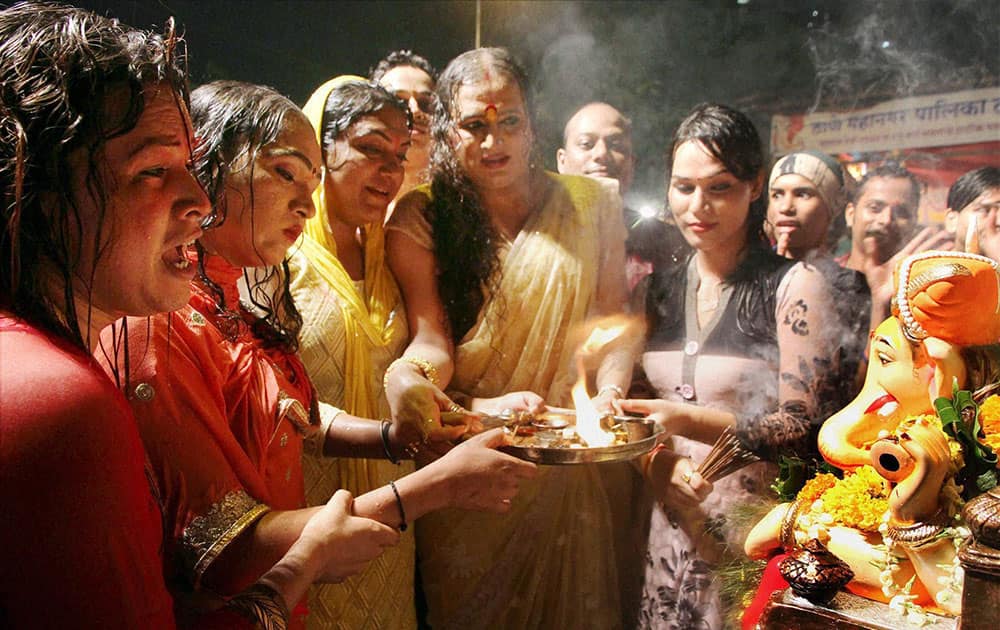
x=155 y=141
x=721 y=171
x=289 y=152
x=885 y=340
x=381 y=134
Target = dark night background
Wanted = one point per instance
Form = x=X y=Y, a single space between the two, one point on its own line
x=654 y=60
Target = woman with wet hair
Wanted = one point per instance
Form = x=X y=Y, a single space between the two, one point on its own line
x=97 y=202
x=224 y=404
x=737 y=337
x=497 y=261
x=355 y=323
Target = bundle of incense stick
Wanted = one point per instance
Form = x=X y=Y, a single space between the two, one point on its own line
x=726 y=457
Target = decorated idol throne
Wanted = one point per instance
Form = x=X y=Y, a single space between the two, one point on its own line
x=913 y=447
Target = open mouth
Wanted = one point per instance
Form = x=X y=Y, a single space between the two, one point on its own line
x=381 y=192
x=180 y=257
x=495 y=162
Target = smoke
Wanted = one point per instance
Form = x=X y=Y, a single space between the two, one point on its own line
x=895 y=50
x=654 y=61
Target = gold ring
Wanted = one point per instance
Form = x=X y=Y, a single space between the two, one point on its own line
x=456 y=408
x=686 y=477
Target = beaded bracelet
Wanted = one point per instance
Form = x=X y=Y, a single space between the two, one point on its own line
x=399 y=505
x=385 y=442
x=426 y=368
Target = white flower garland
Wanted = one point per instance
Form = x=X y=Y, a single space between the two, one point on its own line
x=900 y=599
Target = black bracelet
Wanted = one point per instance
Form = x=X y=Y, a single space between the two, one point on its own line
x=385 y=442
x=399 y=504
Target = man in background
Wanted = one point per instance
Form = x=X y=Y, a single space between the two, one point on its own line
x=597 y=141
x=411 y=78
x=974 y=198
x=882 y=216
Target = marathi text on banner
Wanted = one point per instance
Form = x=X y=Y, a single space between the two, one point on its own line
x=965 y=117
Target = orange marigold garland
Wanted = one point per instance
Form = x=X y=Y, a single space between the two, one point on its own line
x=989 y=418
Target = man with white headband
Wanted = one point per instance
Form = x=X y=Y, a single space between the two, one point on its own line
x=807 y=193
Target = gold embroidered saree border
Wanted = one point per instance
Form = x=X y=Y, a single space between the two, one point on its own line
x=206 y=536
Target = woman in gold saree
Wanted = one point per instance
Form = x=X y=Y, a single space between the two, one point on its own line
x=353 y=322
x=497 y=262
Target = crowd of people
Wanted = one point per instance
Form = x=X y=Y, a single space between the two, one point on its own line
x=246 y=345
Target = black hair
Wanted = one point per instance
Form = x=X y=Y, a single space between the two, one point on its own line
x=60 y=70
x=971 y=185
x=466 y=244
x=402 y=58
x=350 y=101
x=890 y=170
x=233 y=122
x=730 y=137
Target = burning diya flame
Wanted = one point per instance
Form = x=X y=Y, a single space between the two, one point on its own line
x=588 y=418
x=602 y=336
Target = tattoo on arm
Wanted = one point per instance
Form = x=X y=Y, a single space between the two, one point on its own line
x=796 y=318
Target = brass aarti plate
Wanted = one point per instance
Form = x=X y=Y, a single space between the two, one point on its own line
x=544 y=443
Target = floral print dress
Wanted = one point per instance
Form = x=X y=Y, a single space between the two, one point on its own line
x=774 y=379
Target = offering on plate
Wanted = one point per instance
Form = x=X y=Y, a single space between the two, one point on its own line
x=553 y=436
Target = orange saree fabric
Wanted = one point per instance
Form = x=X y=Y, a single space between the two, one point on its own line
x=222 y=419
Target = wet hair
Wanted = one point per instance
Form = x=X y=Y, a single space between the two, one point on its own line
x=466 y=244
x=350 y=101
x=402 y=58
x=234 y=121
x=730 y=137
x=890 y=170
x=971 y=185
x=61 y=70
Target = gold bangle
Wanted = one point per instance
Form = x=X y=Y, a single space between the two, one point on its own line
x=426 y=368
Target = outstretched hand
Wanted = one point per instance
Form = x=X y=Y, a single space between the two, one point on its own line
x=879 y=275
x=481 y=477
x=517 y=401
x=422 y=413
x=669 y=415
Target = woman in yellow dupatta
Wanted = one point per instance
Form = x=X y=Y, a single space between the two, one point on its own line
x=353 y=323
x=498 y=261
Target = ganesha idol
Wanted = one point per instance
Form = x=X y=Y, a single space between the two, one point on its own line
x=893 y=518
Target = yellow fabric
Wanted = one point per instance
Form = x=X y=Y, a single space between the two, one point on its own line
x=365 y=317
x=549 y=562
x=351 y=332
